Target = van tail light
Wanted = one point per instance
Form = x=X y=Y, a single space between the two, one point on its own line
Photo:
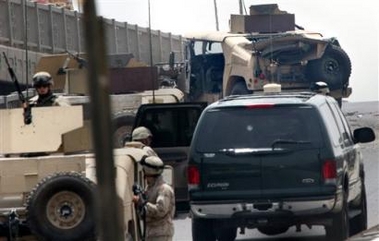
x=329 y=172
x=193 y=177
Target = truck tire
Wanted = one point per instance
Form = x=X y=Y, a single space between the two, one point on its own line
x=339 y=230
x=333 y=68
x=61 y=208
x=123 y=129
x=359 y=222
x=202 y=230
x=272 y=230
x=239 y=88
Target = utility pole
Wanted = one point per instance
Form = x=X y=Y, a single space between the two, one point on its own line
x=216 y=15
x=240 y=4
x=151 y=55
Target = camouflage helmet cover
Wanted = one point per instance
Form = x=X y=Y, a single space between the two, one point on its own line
x=152 y=165
x=141 y=133
x=42 y=78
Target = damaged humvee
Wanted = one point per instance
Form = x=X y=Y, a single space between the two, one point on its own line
x=265 y=47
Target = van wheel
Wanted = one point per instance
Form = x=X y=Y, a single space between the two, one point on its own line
x=359 y=222
x=272 y=230
x=334 y=68
x=202 y=230
x=61 y=208
x=226 y=234
x=339 y=230
x=239 y=88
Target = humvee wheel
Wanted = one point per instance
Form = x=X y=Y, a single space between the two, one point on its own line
x=239 y=88
x=67 y=214
x=60 y=208
x=334 y=68
x=123 y=129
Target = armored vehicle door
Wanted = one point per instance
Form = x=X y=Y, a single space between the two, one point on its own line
x=172 y=126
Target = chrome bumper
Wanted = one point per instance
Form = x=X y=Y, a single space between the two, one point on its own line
x=297 y=208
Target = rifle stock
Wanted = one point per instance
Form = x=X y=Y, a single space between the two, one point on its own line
x=27 y=109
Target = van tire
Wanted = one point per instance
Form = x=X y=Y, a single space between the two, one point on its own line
x=339 y=230
x=202 y=230
x=226 y=233
x=359 y=222
x=61 y=208
x=272 y=230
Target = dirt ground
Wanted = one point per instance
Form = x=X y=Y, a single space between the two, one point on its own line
x=363 y=114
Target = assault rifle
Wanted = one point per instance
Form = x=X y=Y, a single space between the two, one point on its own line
x=141 y=211
x=21 y=97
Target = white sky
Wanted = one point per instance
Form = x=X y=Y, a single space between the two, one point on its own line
x=354 y=23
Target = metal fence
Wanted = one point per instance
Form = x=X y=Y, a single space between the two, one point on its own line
x=51 y=30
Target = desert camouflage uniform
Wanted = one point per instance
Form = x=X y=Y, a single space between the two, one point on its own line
x=160 y=210
x=140 y=145
x=49 y=100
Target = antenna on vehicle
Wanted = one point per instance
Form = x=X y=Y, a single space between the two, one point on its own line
x=216 y=15
x=25 y=15
x=151 y=54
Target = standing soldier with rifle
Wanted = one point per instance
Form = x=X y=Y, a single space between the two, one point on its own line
x=158 y=208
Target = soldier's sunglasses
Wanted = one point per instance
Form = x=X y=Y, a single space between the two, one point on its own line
x=41 y=86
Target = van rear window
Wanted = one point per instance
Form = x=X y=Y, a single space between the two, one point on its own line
x=257 y=128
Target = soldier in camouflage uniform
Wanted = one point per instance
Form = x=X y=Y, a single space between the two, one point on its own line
x=160 y=204
x=42 y=82
x=142 y=138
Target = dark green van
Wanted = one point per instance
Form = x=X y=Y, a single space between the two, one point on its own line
x=272 y=161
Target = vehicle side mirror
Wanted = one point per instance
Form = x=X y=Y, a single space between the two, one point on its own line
x=363 y=135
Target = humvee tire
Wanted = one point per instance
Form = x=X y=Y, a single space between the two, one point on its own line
x=334 y=68
x=123 y=124
x=239 y=88
x=61 y=208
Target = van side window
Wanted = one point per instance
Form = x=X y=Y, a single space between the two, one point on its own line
x=331 y=125
x=342 y=124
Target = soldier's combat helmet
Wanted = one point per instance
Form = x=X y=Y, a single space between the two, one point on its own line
x=152 y=165
x=141 y=133
x=42 y=78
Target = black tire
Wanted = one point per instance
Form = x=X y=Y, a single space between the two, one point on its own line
x=202 y=230
x=272 y=230
x=339 y=101
x=61 y=208
x=333 y=68
x=239 y=88
x=226 y=234
x=359 y=222
x=123 y=129
x=339 y=230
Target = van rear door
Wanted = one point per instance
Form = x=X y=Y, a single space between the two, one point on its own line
x=249 y=153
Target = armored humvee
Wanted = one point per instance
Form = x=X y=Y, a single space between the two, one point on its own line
x=47 y=187
x=265 y=47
